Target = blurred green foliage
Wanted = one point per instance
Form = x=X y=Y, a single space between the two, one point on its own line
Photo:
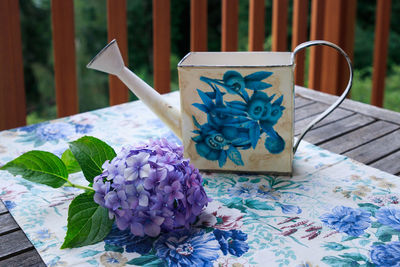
x=91 y=36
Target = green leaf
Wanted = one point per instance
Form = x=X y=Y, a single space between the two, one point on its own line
x=348 y=238
x=355 y=256
x=91 y=153
x=243 y=179
x=109 y=247
x=39 y=167
x=255 y=181
x=376 y=224
x=236 y=203
x=335 y=246
x=142 y=260
x=156 y=263
x=339 y=262
x=384 y=233
x=258 y=205
x=88 y=223
x=70 y=161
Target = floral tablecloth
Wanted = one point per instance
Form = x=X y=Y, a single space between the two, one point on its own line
x=333 y=211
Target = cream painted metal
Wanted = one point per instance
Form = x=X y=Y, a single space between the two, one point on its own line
x=222 y=129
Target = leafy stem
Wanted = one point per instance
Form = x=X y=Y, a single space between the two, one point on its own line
x=69 y=184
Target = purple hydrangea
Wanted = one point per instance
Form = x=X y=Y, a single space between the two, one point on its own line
x=150 y=188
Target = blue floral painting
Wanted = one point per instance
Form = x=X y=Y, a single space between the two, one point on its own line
x=237 y=125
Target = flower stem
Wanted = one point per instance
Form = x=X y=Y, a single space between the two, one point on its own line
x=69 y=184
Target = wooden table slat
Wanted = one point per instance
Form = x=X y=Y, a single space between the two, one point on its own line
x=301 y=102
x=27 y=259
x=377 y=149
x=13 y=243
x=362 y=108
x=360 y=136
x=332 y=130
x=7 y=223
x=389 y=163
x=336 y=115
x=309 y=110
x=3 y=208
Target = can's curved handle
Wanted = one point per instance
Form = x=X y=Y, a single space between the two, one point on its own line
x=339 y=100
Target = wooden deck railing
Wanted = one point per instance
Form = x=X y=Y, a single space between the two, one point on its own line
x=332 y=20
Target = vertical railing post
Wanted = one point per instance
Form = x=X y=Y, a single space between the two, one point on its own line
x=316 y=33
x=339 y=24
x=62 y=14
x=12 y=91
x=198 y=25
x=162 y=45
x=299 y=35
x=256 y=25
x=229 y=25
x=117 y=29
x=279 y=25
x=382 y=25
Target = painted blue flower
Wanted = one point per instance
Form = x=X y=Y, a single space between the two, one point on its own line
x=348 y=220
x=141 y=245
x=188 y=248
x=389 y=216
x=237 y=125
x=218 y=114
x=10 y=204
x=275 y=113
x=83 y=128
x=274 y=143
x=290 y=209
x=47 y=132
x=232 y=241
x=213 y=145
x=55 y=131
x=387 y=255
x=248 y=190
x=259 y=106
x=43 y=233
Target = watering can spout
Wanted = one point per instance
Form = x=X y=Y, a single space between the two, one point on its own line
x=109 y=60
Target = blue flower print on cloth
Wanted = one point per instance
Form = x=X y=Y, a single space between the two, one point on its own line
x=389 y=216
x=52 y=132
x=132 y=243
x=348 y=220
x=188 y=248
x=232 y=241
x=387 y=255
x=237 y=125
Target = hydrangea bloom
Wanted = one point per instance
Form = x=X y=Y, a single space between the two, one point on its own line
x=151 y=187
x=348 y=220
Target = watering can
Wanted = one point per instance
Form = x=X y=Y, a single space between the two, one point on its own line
x=237 y=108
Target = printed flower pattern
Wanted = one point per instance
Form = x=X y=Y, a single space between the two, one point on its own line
x=237 y=125
x=186 y=248
x=386 y=255
x=348 y=220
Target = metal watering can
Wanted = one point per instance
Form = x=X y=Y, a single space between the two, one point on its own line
x=237 y=108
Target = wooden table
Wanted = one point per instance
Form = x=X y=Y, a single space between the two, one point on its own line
x=365 y=133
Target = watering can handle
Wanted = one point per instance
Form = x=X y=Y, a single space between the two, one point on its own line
x=339 y=100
